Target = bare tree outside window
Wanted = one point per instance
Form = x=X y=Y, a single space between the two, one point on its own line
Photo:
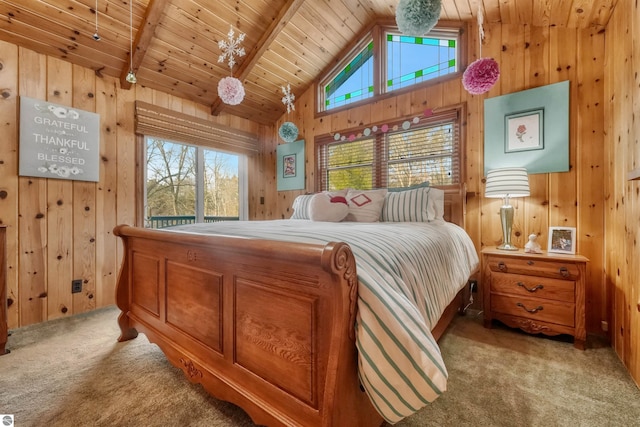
x=173 y=180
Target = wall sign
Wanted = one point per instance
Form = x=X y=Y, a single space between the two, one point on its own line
x=58 y=142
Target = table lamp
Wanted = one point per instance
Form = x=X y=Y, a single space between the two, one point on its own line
x=506 y=183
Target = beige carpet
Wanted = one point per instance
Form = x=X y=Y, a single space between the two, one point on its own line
x=72 y=372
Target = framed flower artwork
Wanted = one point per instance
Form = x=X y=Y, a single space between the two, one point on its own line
x=524 y=131
x=528 y=129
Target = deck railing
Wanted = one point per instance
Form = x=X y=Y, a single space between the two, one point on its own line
x=170 y=221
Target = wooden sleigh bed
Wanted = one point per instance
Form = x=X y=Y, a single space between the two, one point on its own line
x=267 y=325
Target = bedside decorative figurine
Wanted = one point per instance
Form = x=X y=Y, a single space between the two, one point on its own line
x=532 y=246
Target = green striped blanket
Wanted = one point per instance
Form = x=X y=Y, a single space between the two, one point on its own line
x=408 y=273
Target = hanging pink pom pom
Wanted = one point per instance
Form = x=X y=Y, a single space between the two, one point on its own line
x=231 y=91
x=480 y=75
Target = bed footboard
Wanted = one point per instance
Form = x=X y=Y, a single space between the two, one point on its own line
x=265 y=325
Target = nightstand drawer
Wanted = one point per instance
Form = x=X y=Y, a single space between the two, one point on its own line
x=532 y=267
x=560 y=313
x=535 y=287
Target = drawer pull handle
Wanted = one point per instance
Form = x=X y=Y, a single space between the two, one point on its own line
x=533 y=310
x=530 y=262
x=534 y=289
x=502 y=266
x=564 y=272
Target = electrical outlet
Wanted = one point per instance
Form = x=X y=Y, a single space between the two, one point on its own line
x=76 y=286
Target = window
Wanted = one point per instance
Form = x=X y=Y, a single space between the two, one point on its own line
x=402 y=60
x=353 y=83
x=412 y=60
x=404 y=154
x=188 y=183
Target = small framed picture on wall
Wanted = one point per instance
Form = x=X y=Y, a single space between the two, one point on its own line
x=562 y=240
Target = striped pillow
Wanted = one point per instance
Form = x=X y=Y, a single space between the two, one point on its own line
x=301 y=207
x=408 y=206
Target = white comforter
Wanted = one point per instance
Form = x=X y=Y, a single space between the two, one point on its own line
x=408 y=273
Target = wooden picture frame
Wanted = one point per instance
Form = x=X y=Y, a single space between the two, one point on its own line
x=290 y=166
x=562 y=240
x=524 y=131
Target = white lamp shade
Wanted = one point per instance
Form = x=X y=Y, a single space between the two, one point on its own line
x=507 y=182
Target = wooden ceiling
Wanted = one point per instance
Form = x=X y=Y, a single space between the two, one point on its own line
x=175 y=42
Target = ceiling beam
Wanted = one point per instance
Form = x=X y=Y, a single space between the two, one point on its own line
x=286 y=13
x=144 y=35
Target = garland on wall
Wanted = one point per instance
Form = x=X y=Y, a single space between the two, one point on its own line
x=383 y=128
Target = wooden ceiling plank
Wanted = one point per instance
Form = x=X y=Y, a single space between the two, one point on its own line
x=491 y=11
x=313 y=32
x=541 y=14
x=601 y=12
x=449 y=11
x=190 y=53
x=67 y=36
x=578 y=18
x=508 y=14
x=295 y=45
x=524 y=9
x=144 y=36
x=174 y=67
x=560 y=11
x=211 y=25
x=290 y=72
x=308 y=51
x=465 y=11
x=318 y=20
x=46 y=49
x=285 y=15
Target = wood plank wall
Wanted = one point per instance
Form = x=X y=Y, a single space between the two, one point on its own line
x=622 y=237
x=529 y=57
x=60 y=230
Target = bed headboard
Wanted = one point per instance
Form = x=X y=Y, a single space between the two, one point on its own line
x=455 y=203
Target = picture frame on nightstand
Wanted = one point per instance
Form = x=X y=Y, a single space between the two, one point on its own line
x=562 y=240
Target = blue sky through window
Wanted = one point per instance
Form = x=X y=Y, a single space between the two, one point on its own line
x=410 y=60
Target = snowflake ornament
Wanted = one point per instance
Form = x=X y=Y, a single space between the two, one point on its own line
x=288 y=98
x=231 y=48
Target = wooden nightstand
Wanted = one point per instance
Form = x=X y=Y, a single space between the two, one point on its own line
x=538 y=293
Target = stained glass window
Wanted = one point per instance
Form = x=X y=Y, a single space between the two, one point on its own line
x=412 y=60
x=353 y=83
x=407 y=60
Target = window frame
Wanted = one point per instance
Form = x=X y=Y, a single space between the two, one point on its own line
x=377 y=33
x=380 y=157
x=243 y=188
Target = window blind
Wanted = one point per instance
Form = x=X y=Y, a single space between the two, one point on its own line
x=409 y=153
x=164 y=123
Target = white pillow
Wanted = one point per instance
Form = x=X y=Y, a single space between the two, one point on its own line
x=326 y=207
x=435 y=208
x=407 y=206
x=301 y=203
x=301 y=206
x=365 y=205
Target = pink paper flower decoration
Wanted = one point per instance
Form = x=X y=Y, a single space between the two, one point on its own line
x=480 y=75
x=230 y=90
